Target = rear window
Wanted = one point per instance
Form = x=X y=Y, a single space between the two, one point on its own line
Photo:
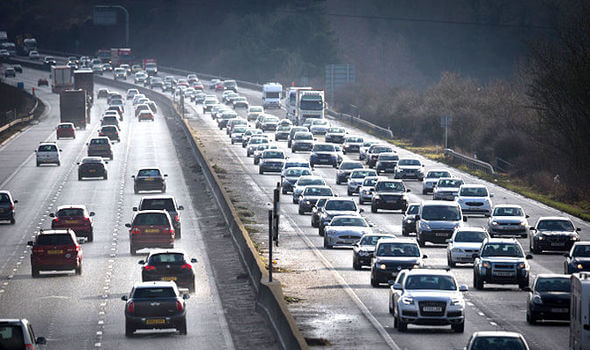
x=99 y=141
x=70 y=212
x=47 y=148
x=167 y=258
x=151 y=219
x=4 y=197
x=158 y=204
x=65 y=126
x=498 y=343
x=149 y=172
x=149 y=293
x=474 y=192
x=54 y=239
x=11 y=337
x=345 y=205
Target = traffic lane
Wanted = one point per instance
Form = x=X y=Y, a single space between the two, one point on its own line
x=153 y=146
x=63 y=294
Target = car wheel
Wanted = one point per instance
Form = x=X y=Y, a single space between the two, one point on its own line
x=534 y=248
x=424 y=191
x=337 y=181
x=450 y=262
x=321 y=230
x=355 y=264
x=135 y=190
x=260 y=171
x=301 y=211
x=361 y=201
x=459 y=327
x=284 y=191
x=106 y=176
x=132 y=250
x=90 y=237
x=421 y=241
x=191 y=287
x=401 y=325
x=349 y=192
x=129 y=330
x=374 y=283
x=79 y=269
x=531 y=318
x=34 y=272
x=404 y=231
x=523 y=284
x=177 y=234
x=374 y=208
x=12 y=220
x=477 y=283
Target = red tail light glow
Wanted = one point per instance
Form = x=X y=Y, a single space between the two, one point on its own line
x=149 y=268
x=186 y=266
x=28 y=347
x=178 y=305
x=177 y=218
x=11 y=207
x=130 y=306
x=135 y=231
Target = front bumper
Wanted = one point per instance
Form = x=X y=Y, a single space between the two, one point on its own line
x=558 y=243
x=518 y=276
x=415 y=314
x=364 y=259
x=341 y=240
x=392 y=204
x=507 y=230
x=550 y=312
x=436 y=236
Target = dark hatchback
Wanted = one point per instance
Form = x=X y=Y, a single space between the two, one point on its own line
x=167 y=203
x=94 y=167
x=549 y=298
x=155 y=305
x=169 y=265
x=362 y=251
x=389 y=194
x=149 y=179
x=7 y=207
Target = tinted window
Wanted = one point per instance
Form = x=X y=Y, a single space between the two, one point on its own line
x=273 y=154
x=11 y=337
x=507 y=211
x=362 y=173
x=409 y=162
x=432 y=282
x=450 y=183
x=4 y=197
x=149 y=172
x=324 y=148
x=470 y=236
x=297 y=172
x=555 y=225
x=354 y=139
x=582 y=251
x=99 y=141
x=398 y=250
x=70 y=212
x=348 y=166
x=441 y=213
x=65 y=126
x=502 y=249
x=437 y=174
x=168 y=258
x=388 y=157
x=413 y=209
x=47 y=148
x=150 y=293
x=158 y=204
x=371 y=240
x=151 y=219
x=345 y=205
x=474 y=192
x=485 y=343
x=382 y=149
x=317 y=191
x=390 y=186
x=54 y=239
x=369 y=181
x=553 y=285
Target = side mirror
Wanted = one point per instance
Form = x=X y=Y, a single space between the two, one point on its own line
x=527 y=289
x=491 y=195
x=165 y=175
x=391 y=282
x=77 y=163
x=124 y=298
x=424 y=256
x=408 y=190
x=180 y=207
x=529 y=257
x=356 y=244
x=133 y=176
x=526 y=216
x=141 y=262
x=134 y=208
x=566 y=255
x=128 y=225
x=15 y=201
x=194 y=260
x=448 y=240
x=185 y=296
x=417 y=217
x=465 y=219
x=361 y=210
x=463 y=288
x=92 y=213
x=532 y=229
x=51 y=215
x=41 y=341
x=397 y=286
x=86 y=144
x=106 y=162
x=371 y=225
x=578 y=229
x=475 y=256
x=30 y=243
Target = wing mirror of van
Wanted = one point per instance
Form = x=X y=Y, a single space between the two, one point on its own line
x=417 y=217
x=397 y=286
x=465 y=219
x=529 y=256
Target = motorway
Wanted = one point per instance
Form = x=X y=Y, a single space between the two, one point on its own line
x=85 y=312
x=336 y=303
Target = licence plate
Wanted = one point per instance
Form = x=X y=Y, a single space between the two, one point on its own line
x=151 y=230
x=440 y=234
x=169 y=278
x=155 y=321
x=148 y=179
x=55 y=252
x=504 y=274
x=432 y=308
x=559 y=310
x=557 y=244
x=92 y=170
x=71 y=221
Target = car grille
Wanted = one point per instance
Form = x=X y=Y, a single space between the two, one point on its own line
x=432 y=304
x=474 y=204
x=391 y=197
x=348 y=237
x=449 y=232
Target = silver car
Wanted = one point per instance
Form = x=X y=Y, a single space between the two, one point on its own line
x=508 y=219
x=345 y=230
x=307 y=180
x=431 y=179
x=367 y=188
x=446 y=188
x=356 y=179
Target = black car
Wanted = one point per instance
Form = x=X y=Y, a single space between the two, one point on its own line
x=389 y=194
x=7 y=207
x=316 y=211
x=553 y=233
x=92 y=167
x=386 y=162
x=110 y=131
x=409 y=219
x=155 y=305
x=149 y=179
x=18 y=68
x=549 y=298
x=392 y=256
x=167 y=203
x=169 y=265
x=345 y=169
x=578 y=258
x=362 y=251
x=18 y=334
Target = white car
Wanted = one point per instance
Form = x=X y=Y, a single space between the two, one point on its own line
x=428 y=297
x=446 y=188
x=34 y=55
x=319 y=126
x=508 y=220
x=409 y=168
x=465 y=242
x=131 y=93
x=356 y=178
x=475 y=199
x=48 y=153
x=364 y=148
x=306 y=180
x=431 y=179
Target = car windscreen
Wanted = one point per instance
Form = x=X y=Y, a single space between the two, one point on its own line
x=553 y=284
x=157 y=204
x=167 y=258
x=555 y=225
x=273 y=154
x=150 y=293
x=319 y=122
x=369 y=181
x=371 y=240
x=470 y=236
x=441 y=213
x=305 y=136
x=336 y=131
x=340 y=221
x=149 y=172
x=501 y=249
x=350 y=165
x=324 y=148
x=388 y=157
x=284 y=128
x=317 y=191
x=409 y=162
x=70 y=212
x=354 y=140
x=150 y=219
x=390 y=186
x=436 y=174
x=47 y=148
x=582 y=251
x=342 y=205
x=507 y=211
x=413 y=209
x=450 y=183
x=473 y=192
x=309 y=182
x=398 y=250
x=485 y=343
x=54 y=239
x=362 y=173
x=11 y=337
x=256 y=110
x=431 y=282
x=297 y=172
x=239 y=129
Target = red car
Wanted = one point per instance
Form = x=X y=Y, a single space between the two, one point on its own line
x=55 y=250
x=219 y=86
x=198 y=86
x=145 y=115
x=42 y=82
x=150 y=229
x=75 y=217
x=66 y=130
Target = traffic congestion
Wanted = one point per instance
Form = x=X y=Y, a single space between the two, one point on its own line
x=429 y=240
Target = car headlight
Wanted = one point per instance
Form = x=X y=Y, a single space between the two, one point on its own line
x=579 y=266
x=425 y=226
x=308 y=202
x=537 y=299
x=408 y=300
x=416 y=266
x=377 y=196
x=486 y=264
x=382 y=266
x=494 y=223
x=457 y=301
x=522 y=265
x=574 y=237
x=457 y=250
x=523 y=223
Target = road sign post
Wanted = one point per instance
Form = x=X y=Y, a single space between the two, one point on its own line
x=445 y=122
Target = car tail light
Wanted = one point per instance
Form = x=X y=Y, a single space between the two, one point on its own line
x=186 y=267
x=178 y=305
x=87 y=219
x=11 y=207
x=29 y=347
x=38 y=250
x=135 y=231
x=177 y=218
x=101 y=134
x=131 y=307
x=149 y=268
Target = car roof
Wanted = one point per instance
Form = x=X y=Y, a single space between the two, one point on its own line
x=151 y=211
x=395 y=239
x=166 y=251
x=440 y=202
x=69 y=124
x=554 y=218
x=471 y=228
x=349 y=217
x=100 y=138
x=507 y=206
x=432 y=272
x=71 y=206
x=553 y=275
x=501 y=240
x=156 y=196
x=473 y=186
x=56 y=232
x=154 y=284
x=496 y=334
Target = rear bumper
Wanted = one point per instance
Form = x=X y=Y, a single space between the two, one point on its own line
x=166 y=242
x=141 y=322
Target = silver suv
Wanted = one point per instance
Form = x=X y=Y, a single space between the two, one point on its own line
x=48 y=153
x=501 y=261
x=436 y=221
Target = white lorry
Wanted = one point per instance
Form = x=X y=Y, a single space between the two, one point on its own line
x=291 y=101
x=580 y=311
x=310 y=104
x=271 y=95
x=62 y=78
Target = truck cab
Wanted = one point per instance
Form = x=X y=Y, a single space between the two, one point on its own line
x=580 y=312
x=271 y=95
x=310 y=104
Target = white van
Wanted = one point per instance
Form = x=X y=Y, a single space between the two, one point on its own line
x=580 y=312
x=271 y=95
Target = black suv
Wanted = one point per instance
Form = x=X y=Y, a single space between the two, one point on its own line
x=501 y=261
x=167 y=203
x=149 y=179
x=389 y=194
x=169 y=265
x=18 y=334
x=7 y=207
